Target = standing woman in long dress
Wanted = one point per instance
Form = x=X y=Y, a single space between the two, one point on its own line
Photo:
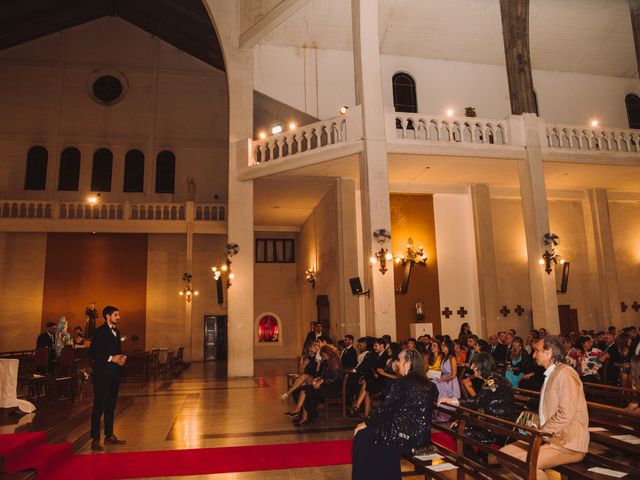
x=447 y=384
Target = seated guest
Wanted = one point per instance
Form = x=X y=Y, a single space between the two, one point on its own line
x=348 y=356
x=634 y=379
x=402 y=423
x=621 y=359
x=535 y=378
x=591 y=361
x=372 y=383
x=496 y=349
x=389 y=374
x=365 y=361
x=435 y=360
x=519 y=364
x=78 y=337
x=495 y=398
x=328 y=384
x=47 y=338
x=314 y=335
x=465 y=331
x=309 y=369
x=460 y=352
x=533 y=336
x=562 y=411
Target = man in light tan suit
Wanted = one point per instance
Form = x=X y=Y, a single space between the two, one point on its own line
x=563 y=411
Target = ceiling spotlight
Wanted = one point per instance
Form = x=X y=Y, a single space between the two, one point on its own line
x=262 y=135
x=276 y=129
x=450 y=112
x=343 y=110
x=92 y=199
x=595 y=123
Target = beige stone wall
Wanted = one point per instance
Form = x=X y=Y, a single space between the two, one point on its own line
x=276 y=291
x=566 y=219
x=22 y=263
x=173 y=102
x=625 y=226
x=511 y=266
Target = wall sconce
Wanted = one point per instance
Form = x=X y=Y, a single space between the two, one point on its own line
x=383 y=255
x=310 y=276
x=550 y=256
x=188 y=290
x=416 y=257
x=224 y=270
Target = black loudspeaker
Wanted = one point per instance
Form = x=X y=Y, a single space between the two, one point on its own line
x=219 y=291
x=564 y=284
x=356 y=287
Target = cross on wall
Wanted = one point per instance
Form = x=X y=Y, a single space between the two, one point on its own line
x=623 y=307
x=462 y=312
x=519 y=310
x=446 y=312
x=505 y=311
x=635 y=306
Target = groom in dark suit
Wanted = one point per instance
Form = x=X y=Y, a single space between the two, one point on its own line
x=108 y=360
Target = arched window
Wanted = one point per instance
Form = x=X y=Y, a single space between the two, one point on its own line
x=69 y=169
x=165 y=172
x=134 y=171
x=101 y=173
x=633 y=110
x=404 y=93
x=268 y=329
x=36 y=176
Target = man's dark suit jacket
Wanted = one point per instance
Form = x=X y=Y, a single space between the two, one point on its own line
x=44 y=340
x=103 y=345
x=349 y=358
x=499 y=353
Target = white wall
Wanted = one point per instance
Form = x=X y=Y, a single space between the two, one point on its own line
x=173 y=102
x=457 y=272
x=296 y=76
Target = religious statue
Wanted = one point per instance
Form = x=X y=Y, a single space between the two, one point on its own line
x=419 y=311
x=92 y=316
x=62 y=337
x=191 y=189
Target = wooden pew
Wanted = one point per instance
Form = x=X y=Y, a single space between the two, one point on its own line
x=605 y=450
x=610 y=395
x=467 y=468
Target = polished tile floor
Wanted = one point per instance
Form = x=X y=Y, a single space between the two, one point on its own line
x=200 y=410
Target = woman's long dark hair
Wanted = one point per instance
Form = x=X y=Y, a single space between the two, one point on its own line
x=462 y=327
x=452 y=351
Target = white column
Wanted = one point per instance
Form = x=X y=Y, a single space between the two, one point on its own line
x=240 y=329
x=605 y=258
x=544 y=300
x=374 y=181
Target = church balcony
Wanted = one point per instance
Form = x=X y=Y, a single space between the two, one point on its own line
x=577 y=143
x=56 y=216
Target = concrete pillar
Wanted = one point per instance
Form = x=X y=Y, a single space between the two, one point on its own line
x=544 y=301
x=486 y=258
x=605 y=259
x=374 y=181
x=188 y=305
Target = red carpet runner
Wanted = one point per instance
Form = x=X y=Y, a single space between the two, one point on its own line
x=56 y=461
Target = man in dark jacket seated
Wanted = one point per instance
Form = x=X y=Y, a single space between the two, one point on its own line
x=402 y=423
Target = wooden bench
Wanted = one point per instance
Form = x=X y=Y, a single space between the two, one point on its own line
x=510 y=467
x=340 y=400
x=610 y=395
x=604 y=450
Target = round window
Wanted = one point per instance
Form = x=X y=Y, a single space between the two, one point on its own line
x=107 y=87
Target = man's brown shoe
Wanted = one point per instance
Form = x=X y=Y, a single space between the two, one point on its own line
x=113 y=440
x=96 y=447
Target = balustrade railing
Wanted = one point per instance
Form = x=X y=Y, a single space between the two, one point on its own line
x=25 y=209
x=314 y=136
x=431 y=128
x=568 y=137
x=111 y=211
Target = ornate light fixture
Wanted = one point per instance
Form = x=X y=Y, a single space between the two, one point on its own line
x=416 y=257
x=310 y=276
x=188 y=290
x=383 y=255
x=224 y=270
x=550 y=256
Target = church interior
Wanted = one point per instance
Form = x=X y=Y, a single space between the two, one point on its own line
x=228 y=174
